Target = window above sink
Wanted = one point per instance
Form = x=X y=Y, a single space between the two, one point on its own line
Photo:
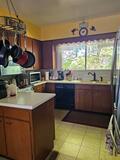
x=90 y=55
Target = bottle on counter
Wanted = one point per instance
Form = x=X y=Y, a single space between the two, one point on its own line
x=11 y=89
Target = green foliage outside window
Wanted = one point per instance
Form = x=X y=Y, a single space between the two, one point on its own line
x=87 y=55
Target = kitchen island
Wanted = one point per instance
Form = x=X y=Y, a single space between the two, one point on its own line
x=27 y=129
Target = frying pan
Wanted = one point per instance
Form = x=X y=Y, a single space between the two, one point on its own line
x=15 y=51
x=4 y=51
x=30 y=61
x=30 y=57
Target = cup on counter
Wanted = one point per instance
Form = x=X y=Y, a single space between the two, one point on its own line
x=46 y=76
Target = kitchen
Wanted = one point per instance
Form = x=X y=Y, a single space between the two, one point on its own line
x=68 y=76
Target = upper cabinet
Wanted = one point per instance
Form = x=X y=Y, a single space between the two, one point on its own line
x=47 y=55
x=37 y=53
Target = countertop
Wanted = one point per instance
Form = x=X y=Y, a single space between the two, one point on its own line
x=26 y=100
x=74 y=82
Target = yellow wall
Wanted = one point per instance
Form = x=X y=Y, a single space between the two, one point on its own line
x=63 y=30
x=32 y=30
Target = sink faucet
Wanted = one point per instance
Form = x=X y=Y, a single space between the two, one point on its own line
x=94 y=75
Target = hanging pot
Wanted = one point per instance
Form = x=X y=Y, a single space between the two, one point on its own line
x=4 y=51
x=30 y=61
x=16 y=51
x=30 y=57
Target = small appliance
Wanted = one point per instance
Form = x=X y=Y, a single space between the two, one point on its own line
x=3 y=90
x=35 y=77
x=60 y=75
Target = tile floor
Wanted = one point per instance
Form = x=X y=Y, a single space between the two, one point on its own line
x=79 y=142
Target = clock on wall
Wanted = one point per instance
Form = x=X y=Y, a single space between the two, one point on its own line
x=83 y=31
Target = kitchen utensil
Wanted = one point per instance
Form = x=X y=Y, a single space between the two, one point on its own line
x=30 y=57
x=16 y=51
x=4 y=51
x=30 y=61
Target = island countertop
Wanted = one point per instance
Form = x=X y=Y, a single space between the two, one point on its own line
x=26 y=100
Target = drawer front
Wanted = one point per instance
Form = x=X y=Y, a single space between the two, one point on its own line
x=20 y=114
x=1 y=111
x=83 y=86
x=102 y=87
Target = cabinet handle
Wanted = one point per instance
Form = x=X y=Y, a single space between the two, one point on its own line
x=9 y=123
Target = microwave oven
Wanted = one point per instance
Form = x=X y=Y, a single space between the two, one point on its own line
x=35 y=77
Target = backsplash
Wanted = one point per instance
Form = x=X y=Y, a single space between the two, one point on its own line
x=83 y=75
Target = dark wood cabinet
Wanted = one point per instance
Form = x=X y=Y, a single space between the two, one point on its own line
x=37 y=54
x=95 y=98
x=83 y=97
x=2 y=137
x=47 y=55
x=39 y=88
x=102 y=99
x=18 y=139
x=50 y=87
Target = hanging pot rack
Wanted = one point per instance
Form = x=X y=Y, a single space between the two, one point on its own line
x=12 y=24
x=9 y=23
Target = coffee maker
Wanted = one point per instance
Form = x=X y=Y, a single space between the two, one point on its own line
x=3 y=90
x=60 y=75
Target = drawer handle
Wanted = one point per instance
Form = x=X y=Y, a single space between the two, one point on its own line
x=9 y=123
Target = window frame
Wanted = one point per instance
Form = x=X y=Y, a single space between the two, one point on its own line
x=59 y=58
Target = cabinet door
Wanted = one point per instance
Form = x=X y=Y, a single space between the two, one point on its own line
x=18 y=139
x=39 y=88
x=83 y=99
x=50 y=88
x=47 y=55
x=2 y=138
x=102 y=99
x=37 y=54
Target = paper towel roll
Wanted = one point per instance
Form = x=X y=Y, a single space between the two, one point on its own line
x=46 y=76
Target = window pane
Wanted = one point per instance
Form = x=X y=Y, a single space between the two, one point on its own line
x=72 y=56
x=99 y=54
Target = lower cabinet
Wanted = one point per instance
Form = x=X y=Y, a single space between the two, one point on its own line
x=39 y=88
x=50 y=87
x=18 y=139
x=95 y=98
x=27 y=134
x=102 y=99
x=2 y=138
x=83 y=97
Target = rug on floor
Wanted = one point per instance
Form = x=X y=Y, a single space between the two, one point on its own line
x=88 y=118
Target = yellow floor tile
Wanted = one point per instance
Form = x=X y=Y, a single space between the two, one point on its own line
x=87 y=153
x=92 y=143
x=65 y=157
x=75 y=138
x=107 y=156
x=70 y=149
x=58 y=144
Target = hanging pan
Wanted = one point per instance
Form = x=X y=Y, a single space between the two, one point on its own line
x=4 y=50
x=30 y=57
x=16 y=51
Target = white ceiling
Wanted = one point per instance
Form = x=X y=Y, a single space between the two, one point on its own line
x=54 y=11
